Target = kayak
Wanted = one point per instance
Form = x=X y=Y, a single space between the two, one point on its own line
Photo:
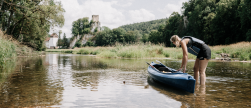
x=171 y=77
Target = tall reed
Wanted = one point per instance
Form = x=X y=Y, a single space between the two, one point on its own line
x=7 y=49
x=241 y=50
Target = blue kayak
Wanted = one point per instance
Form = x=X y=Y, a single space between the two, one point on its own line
x=172 y=77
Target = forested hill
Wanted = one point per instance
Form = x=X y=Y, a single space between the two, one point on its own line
x=145 y=27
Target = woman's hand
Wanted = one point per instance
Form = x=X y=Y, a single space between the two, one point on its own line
x=184 y=70
x=179 y=69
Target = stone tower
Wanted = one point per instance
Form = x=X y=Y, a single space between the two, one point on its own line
x=96 y=23
x=95 y=18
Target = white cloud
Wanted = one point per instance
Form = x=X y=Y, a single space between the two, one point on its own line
x=141 y=15
x=127 y=4
x=170 y=8
x=113 y=13
x=108 y=15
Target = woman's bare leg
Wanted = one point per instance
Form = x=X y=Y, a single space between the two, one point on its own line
x=196 y=70
x=202 y=71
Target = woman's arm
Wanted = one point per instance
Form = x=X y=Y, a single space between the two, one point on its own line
x=185 y=55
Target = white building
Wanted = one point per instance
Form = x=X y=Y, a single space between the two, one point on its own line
x=51 y=42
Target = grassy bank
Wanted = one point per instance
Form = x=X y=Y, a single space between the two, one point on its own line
x=127 y=51
x=7 y=49
x=241 y=50
x=10 y=49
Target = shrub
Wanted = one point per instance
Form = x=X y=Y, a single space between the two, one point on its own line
x=166 y=54
x=235 y=54
x=108 y=54
x=179 y=56
x=83 y=51
x=96 y=52
x=160 y=51
x=7 y=50
x=243 y=57
x=78 y=44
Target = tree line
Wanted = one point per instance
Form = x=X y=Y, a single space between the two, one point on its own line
x=145 y=27
x=217 y=22
x=64 y=42
x=29 y=21
x=125 y=34
x=118 y=35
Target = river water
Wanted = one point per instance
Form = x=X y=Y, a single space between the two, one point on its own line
x=68 y=80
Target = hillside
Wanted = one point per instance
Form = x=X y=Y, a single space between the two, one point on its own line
x=145 y=27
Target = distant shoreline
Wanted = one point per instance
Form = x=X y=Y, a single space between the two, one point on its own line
x=239 y=51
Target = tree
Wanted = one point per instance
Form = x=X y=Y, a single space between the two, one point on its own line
x=65 y=42
x=89 y=43
x=155 y=37
x=60 y=41
x=118 y=35
x=170 y=29
x=81 y=26
x=144 y=27
x=145 y=38
x=32 y=19
x=245 y=18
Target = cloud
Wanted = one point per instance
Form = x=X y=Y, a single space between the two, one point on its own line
x=170 y=8
x=108 y=15
x=141 y=15
x=124 y=4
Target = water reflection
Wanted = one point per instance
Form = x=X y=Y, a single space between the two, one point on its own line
x=67 y=80
x=31 y=85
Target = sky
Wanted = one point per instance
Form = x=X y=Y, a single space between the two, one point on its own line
x=115 y=13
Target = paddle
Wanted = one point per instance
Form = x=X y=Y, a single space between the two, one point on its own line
x=156 y=68
x=165 y=66
x=151 y=65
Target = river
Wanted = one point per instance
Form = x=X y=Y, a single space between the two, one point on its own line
x=68 y=80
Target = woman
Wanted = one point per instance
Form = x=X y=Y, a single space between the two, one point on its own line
x=196 y=47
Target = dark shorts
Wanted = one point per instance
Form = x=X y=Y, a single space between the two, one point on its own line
x=205 y=52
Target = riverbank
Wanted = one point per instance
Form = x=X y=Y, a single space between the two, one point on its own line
x=239 y=51
x=11 y=48
x=9 y=51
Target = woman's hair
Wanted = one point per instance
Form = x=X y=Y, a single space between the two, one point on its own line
x=175 y=39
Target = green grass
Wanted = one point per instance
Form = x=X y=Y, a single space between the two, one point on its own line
x=7 y=50
x=240 y=50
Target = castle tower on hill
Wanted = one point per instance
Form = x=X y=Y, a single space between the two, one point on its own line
x=95 y=27
x=96 y=24
x=95 y=18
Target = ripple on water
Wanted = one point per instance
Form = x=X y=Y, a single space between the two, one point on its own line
x=60 y=80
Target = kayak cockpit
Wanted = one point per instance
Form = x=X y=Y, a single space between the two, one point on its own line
x=163 y=69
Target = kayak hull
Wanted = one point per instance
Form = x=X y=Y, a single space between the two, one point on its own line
x=176 y=79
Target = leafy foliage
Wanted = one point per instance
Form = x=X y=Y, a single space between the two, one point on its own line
x=30 y=20
x=214 y=21
x=117 y=35
x=81 y=26
x=144 y=27
x=64 y=43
